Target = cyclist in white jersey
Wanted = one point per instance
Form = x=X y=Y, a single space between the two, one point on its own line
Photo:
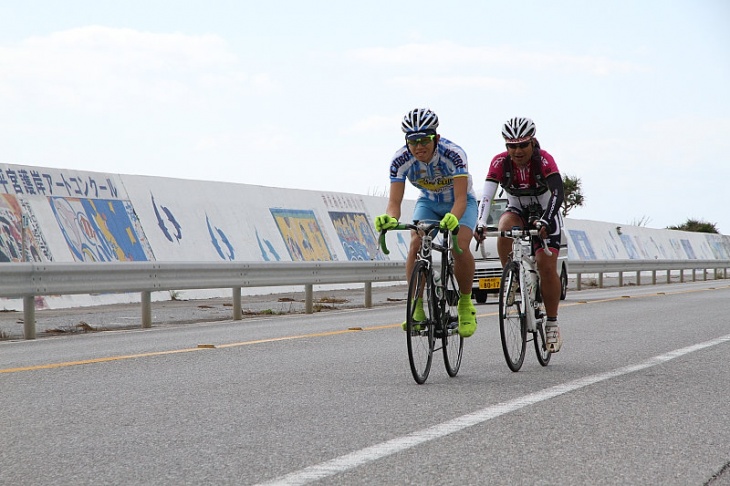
x=438 y=168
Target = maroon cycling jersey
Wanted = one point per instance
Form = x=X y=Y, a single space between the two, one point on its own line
x=522 y=177
x=526 y=193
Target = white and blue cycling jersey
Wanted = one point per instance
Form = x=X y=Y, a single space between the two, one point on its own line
x=434 y=179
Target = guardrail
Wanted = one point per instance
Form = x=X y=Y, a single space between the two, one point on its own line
x=579 y=268
x=28 y=280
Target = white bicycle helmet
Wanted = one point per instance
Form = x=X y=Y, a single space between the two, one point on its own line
x=518 y=129
x=420 y=120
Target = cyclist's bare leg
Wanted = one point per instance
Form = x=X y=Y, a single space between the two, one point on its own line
x=412 y=254
x=410 y=265
x=550 y=288
x=504 y=245
x=549 y=280
x=464 y=262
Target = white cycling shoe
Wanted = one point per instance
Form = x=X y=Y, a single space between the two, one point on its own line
x=553 y=339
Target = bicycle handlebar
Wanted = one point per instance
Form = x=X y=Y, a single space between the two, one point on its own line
x=422 y=227
x=521 y=233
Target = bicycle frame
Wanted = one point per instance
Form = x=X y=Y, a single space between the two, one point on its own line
x=523 y=252
x=427 y=233
x=425 y=253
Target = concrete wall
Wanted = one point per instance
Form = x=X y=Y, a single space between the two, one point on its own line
x=89 y=216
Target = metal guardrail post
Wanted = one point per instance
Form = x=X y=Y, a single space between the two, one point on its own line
x=578 y=278
x=368 y=294
x=237 y=311
x=620 y=279
x=308 y=299
x=146 y=298
x=600 y=280
x=29 y=316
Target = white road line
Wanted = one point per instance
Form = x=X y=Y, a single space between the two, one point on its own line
x=378 y=451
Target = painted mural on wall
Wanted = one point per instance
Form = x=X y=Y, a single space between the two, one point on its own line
x=268 y=252
x=302 y=234
x=12 y=210
x=220 y=241
x=100 y=230
x=353 y=225
x=581 y=245
x=167 y=222
x=356 y=236
x=719 y=246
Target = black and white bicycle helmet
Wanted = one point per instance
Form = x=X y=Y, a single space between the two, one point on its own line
x=518 y=129
x=420 y=120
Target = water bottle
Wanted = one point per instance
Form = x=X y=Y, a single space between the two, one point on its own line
x=437 y=283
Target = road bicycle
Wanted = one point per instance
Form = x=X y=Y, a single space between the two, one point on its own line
x=440 y=293
x=521 y=309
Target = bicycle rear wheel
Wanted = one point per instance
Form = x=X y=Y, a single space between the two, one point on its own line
x=452 y=343
x=512 y=325
x=420 y=333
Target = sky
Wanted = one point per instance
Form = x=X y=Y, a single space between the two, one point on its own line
x=630 y=96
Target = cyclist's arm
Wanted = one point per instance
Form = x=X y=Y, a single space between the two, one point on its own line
x=397 y=190
x=557 y=194
x=461 y=184
x=488 y=192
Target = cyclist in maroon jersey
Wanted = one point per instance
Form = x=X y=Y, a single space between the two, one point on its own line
x=534 y=187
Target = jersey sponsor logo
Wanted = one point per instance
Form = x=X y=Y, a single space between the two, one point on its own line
x=455 y=158
x=437 y=184
x=399 y=162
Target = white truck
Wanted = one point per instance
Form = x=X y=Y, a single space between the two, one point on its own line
x=488 y=268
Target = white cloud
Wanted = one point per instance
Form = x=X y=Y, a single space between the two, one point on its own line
x=418 y=53
x=100 y=67
x=437 y=84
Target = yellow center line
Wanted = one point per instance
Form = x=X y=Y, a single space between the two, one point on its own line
x=94 y=360
x=301 y=336
x=64 y=364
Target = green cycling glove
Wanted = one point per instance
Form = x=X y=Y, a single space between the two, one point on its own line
x=449 y=222
x=385 y=222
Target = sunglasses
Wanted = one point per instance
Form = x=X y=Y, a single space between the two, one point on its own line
x=518 y=145
x=422 y=141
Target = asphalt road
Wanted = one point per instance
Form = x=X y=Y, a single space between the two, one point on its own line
x=638 y=395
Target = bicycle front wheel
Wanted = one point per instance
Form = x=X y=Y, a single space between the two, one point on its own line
x=419 y=332
x=512 y=325
x=452 y=343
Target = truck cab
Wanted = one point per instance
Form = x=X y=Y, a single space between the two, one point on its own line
x=488 y=268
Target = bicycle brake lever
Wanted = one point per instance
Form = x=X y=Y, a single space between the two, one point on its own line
x=381 y=242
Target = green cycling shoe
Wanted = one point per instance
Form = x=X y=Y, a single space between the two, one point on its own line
x=467 y=316
x=418 y=315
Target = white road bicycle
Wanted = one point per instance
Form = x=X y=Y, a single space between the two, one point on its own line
x=521 y=309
